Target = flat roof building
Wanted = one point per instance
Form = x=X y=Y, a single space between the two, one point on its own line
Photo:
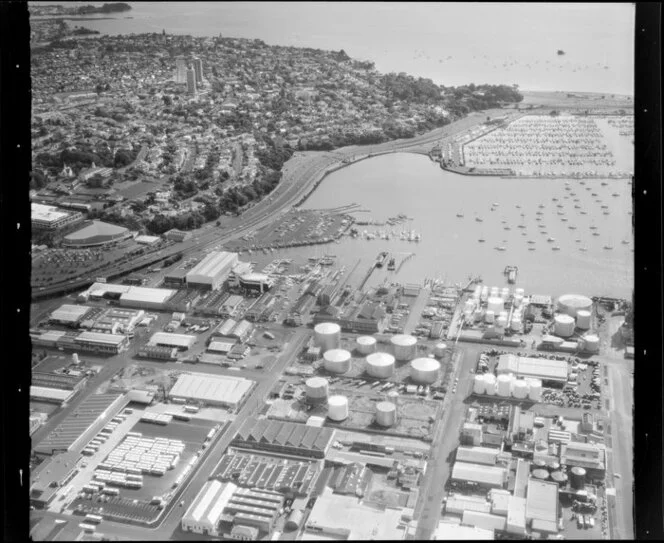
x=477 y=455
x=45 y=217
x=146 y=298
x=100 y=342
x=484 y=521
x=69 y=314
x=537 y=368
x=212 y=389
x=213 y=270
x=584 y=455
x=51 y=475
x=486 y=476
x=47 y=394
x=177 y=341
x=206 y=511
x=448 y=531
x=542 y=505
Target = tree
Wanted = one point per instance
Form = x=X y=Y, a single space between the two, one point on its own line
x=168 y=101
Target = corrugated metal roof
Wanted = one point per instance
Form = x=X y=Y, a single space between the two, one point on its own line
x=485 y=521
x=478 y=473
x=477 y=455
x=542 y=500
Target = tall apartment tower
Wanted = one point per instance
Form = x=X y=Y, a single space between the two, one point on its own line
x=191 y=81
x=180 y=70
x=198 y=68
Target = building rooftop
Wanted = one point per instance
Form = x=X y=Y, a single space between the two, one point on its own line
x=477 y=455
x=176 y=340
x=211 y=388
x=542 y=501
x=69 y=313
x=448 y=531
x=97 y=229
x=533 y=367
x=272 y=432
x=45 y=213
x=212 y=265
x=210 y=502
x=477 y=473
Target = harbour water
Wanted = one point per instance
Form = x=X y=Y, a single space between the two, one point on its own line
x=450 y=248
x=451 y=43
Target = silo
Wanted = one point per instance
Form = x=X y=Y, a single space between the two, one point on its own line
x=520 y=389
x=489 y=316
x=495 y=304
x=519 y=292
x=439 y=350
x=541 y=474
x=493 y=293
x=380 y=365
x=477 y=315
x=504 y=385
x=570 y=304
x=583 y=319
x=591 y=343
x=501 y=321
x=490 y=384
x=337 y=360
x=535 y=391
x=424 y=371
x=539 y=463
x=294 y=520
x=337 y=408
x=559 y=477
x=386 y=414
x=479 y=384
x=516 y=323
x=563 y=325
x=366 y=345
x=578 y=478
x=485 y=293
x=75 y=359
x=405 y=347
x=505 y=293
x=518 y=300
x=316 y=390
x=552 y=465
x=327 y=335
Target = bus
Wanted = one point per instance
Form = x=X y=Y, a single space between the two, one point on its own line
x=87 y=527
x=191 y=409
x=93 y=519
x=111 y=491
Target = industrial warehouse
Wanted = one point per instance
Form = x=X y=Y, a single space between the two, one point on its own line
x=212 y=271
x=95 y=234
x=212 y=390
x=50 y=218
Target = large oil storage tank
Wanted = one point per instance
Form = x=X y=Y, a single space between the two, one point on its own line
x=520 y=389
x=583 y=319
x=541 y=474
x=571 y=304
x=489 y=317
x=327 y=335
x=563 y=325
x=439 y=350
x=337 y=408
x=516 y=323
x=578 y=478
x=294 y=520
x=386 y=414
x=380 y=365
x=404 y=347
x=490 y=384
x=559 y=477
x=337 y=360
x=479 y=384
x=316 y=390
x=519 y=292
x=477 y=315
x=518 y=300
x=495 y=304
x=424 y=371
x=504 y=385
x=535 y=390
x=590 y=343
x=366 y=345
x=539 y=464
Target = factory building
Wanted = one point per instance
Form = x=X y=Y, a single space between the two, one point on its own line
x=583 y=455
x=50 y=218
x=477 y=455
x=69 y=315
x=483 y=476
x=181 y=342
x=283 y=437
x=97 y=342
x=542 y=506
x=95 y=234
x=258 y=282
x=211 y=389
x=212 y=271
x=206 y=511
x=550 y=372
x=52 y=475
x=146 y=298
x=156 y=352
x=51 y=395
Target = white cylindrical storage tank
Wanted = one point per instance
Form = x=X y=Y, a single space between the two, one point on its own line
x=489 y=316
x=477 y=293
x=495 y=304
x=505 y=293
x=479 y=384
x=439 y=350
x=591 y=343
x=535 y=389
x=404 y=346
x=504 y=385
x=380 y=365
x=520 y=389
x=386 y=414
x=516 y=323
x=490 y=383
x=493 y=292
x=485 y=293
x=327 y=335
x=366 y=345
x=518 y=300
x=337 y=360
x=563 y=325
x=316 y=390
x=424 y=371
x=337 y=408
x=75 y=358
x=583 y=319
x=501 y=321
x=572 y=303
x=519 y=292
x=477 y=315
x=294 y=520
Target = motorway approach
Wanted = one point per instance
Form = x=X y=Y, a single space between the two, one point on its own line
x=301 y=174
x=172 y=514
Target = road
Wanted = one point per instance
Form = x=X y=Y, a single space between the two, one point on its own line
x=173 y=513
x=300 y=175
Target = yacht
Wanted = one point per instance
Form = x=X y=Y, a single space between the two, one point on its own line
x=479 y=219
x=531 y=242
x=608 y=247
x=593 y=194
x=605 y=212
x=615 y=194
x=481 y=240
x=518 y=206
x=507 y=228
x=605 y=207
x=541 y=206
x=555 y=199
x=595 y=233
x=577 y=207
x=501 y=248
x=521 y=226
x=604 y=183
x=572 y=227
x=550 y=239
x=593 y=227
x=578 y=240
x=459 y=215
x=531 y=248
x=555 y=248
x=584 y=213
x=583 y=249
x=564 y=219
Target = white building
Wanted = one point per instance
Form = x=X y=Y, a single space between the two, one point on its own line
x=213 y=270
x=211 y=389
x=179 y=341
x=44 y=217
x=205 y=512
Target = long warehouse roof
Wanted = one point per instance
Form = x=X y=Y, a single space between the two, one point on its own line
x=217 y=388
x=45 y=213
x=542 y=501
x=478 y=473
x=176 y=340
x=213 y=264
x=533 y=367
x=209 y=504
x=69 y=312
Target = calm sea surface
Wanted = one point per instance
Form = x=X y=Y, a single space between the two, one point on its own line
x=413 y=185
x=451 y=43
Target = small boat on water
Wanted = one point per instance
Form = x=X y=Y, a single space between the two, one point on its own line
x=495 y=204
x=606 y=212
x=615 y=194
x=555 y=199
x=479 y=219
x=605 y=207
x=541 y=206
x=538 y=218
x=511 y=272
x=481 y=240
x=595 y=233
x=578 y=240
x=608 y=247
x=550 y=239
x=391 y=264
x=459 y=215
x=583 y=249
x=572 y=227
x=518 y=206
x=539 y=213
x=577 y=207
x=555 y=248
x=593 y=194
x=501 y=248
x=604 y=183
x=531 y=248
x=584 y=213
x=531 y=242
x=521 y=226
x=564 y=219
x=507 y=228
x=593 y=227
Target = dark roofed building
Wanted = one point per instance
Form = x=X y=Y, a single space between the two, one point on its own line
x=96 y=233
x=351 y=479
x=283 y=437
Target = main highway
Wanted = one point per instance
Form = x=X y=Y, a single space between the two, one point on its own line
x=300 y=175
